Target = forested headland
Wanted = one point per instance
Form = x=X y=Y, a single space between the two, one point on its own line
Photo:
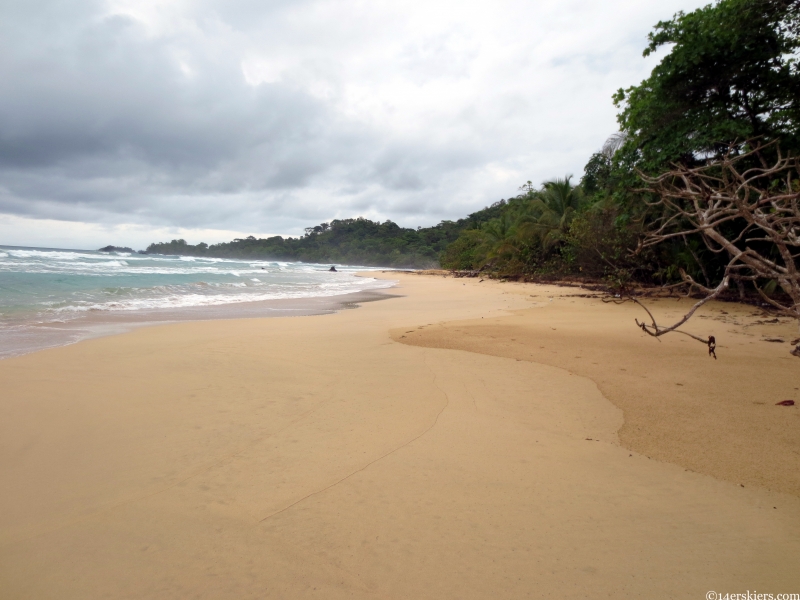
x=346 y=241
x=710 y=128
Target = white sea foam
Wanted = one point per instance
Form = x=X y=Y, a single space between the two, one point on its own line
x=114 y=267
x=193 y=299
x=57 y=286
x=59 y=255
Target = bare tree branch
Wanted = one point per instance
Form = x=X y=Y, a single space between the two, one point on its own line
x=752 y=213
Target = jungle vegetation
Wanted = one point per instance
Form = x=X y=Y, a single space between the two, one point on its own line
x=729 y=83
x=345 y=241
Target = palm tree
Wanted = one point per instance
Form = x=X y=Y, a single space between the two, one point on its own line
x=500 y=236
x=552 y=210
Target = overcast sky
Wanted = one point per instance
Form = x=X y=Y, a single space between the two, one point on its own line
x=131 y=121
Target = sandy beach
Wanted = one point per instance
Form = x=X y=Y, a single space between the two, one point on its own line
x=459 y=439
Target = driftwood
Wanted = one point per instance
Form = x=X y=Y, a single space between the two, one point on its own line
x=656 y=330
x=759 y=203
x=466 y=273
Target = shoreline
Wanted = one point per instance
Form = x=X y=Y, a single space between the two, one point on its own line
x=56 y=334
x=319 y=457
x=57 y=297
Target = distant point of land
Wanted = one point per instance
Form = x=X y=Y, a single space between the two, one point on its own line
x=116 y=249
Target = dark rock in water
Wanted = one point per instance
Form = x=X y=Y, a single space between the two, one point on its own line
x=116 y=249
x=333 y=269
x=785 y=403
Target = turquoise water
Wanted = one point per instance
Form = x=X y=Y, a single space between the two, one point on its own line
x=50 y=296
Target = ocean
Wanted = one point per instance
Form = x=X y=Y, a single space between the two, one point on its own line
x=51 y=297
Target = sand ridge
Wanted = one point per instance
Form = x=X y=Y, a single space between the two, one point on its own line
x=715 y=417
x=316 y=457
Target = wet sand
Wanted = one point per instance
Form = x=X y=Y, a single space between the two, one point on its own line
x=30 y=336
x=318 y=457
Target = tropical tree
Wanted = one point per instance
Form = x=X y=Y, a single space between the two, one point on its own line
x=731 y=75
x=501 y=236
x=551 y=211
x=730 y=79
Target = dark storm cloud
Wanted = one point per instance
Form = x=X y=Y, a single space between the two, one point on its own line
x=267 y=116
x=106 y=116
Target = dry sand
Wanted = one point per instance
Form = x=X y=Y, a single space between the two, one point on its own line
x=717 y=417
x=316 y=457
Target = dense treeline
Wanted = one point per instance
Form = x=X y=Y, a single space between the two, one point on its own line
x=730 y=80
x=731 y=77
x=345 y=241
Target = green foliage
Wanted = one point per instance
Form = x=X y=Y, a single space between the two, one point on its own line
x=551 y=212
x=600 y=245
x=731 y=75
x=596 y=174
x=531 y=229
x=465 y=252
x=344 y=241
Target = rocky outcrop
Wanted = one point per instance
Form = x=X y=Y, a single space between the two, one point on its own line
x=116 y=249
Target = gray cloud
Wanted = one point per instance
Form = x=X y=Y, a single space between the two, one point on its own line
x=253 y=116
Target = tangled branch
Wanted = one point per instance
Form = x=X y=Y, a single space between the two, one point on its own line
x=750 y=213
x=656 y=330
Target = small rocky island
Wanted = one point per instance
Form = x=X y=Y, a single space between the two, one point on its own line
x=116 y=249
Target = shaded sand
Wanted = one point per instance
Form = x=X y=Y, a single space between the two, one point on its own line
x=315 y=457
x=679 y=405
